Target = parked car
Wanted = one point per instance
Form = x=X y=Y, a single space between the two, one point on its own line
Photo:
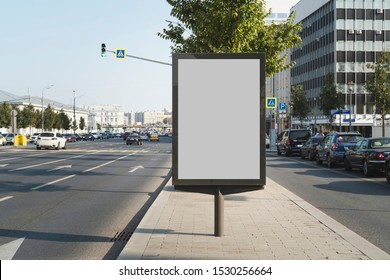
x=3 y=141
x=78 y=137
x=309 y=148
x=34 y=137
x=10 y=137
x=267 y=141
x=290 y=141
x=154 y=137
x=127 y=133
x=387 y=169
x=88 y=137
x=133 y=138
x=144 y=136
x=332 y=148
x=70 y=137
x=368 y=154
x=51 y=140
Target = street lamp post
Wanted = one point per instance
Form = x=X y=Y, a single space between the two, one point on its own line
x=47 y=87
x=350 y=88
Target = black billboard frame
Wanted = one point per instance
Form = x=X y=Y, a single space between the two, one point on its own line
x=225 y=186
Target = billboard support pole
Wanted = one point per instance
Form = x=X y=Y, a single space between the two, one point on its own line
x=218 y=212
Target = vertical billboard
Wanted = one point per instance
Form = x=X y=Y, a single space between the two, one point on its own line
x=219 y=119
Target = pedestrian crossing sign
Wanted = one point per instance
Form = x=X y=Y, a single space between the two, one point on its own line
x=271 y=102
x=120 y=53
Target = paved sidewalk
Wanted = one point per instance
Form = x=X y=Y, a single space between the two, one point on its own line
x=270 y=224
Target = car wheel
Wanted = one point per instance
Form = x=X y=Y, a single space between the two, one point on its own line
x=347 y=164
x=58 y=146
x=318 y=160
x=387 y=172
x=312 y=156
x=278 y=151
x=366 y=169
x=38 y=148
x=329 y=161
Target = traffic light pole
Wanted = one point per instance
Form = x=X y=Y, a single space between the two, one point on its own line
x=145 y=59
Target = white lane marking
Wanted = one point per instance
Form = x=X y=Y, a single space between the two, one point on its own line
x=53 y=182
x=60 y=167
x=4 y=159
x=4 y=199
x=46 y=163
x=71 y=176
x=101 y=165
x=8 y=250
x=3 y=165
x=135 y=168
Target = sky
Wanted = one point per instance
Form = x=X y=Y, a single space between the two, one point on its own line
x=52 y=42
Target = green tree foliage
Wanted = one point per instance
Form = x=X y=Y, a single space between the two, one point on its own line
x=301 y=106
x=82 y=123
x=28 y=117
x=329 y=96
x=5 y=114
x=227 y=26
x=62 y=121
x=49 y=118
x=167 y=121
x=379 y=86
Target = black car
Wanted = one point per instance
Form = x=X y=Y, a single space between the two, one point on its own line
x=133 y=138
x=387 y=170
x=309 y=148
x=332 y=148
x=89 y=137
x=368 y=154
x=290 y=141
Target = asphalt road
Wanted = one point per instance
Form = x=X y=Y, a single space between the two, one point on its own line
x=80 y=203
x=359 y=203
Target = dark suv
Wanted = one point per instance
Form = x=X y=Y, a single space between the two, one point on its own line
x=332 y=148
x=290 y=141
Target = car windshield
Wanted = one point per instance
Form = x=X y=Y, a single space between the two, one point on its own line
x=47 y=134
x=300 y=135
x=350 y=138
x=317 y=139
x=380 y=143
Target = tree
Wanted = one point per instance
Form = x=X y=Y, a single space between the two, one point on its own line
x=225 y=26
x=379 y=86
x=5 y=114
x=82 y=123
x=301 y=105
x=330 y=97
x=62 y=121
x=28 y=117
x=49 y=118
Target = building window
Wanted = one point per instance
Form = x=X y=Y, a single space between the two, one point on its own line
x=350 y=14
x=360 y=104
x=340 y=78
x=340 y=14
x=359 y=14
x=369 y=14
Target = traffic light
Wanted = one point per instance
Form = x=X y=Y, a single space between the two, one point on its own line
x=104 y=50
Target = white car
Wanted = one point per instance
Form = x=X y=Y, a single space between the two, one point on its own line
x=34 y=137
x=51 y=140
